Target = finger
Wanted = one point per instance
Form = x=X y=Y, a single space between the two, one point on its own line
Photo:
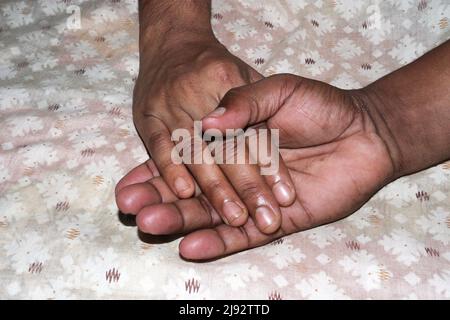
x=272 y=166
x=223 y=240
x=141 y=187
x=236 y=162
x=178 y=217
x=163 y=189
x=160 y=147
x=251 y=104
x=223 y=197
x=208 y=175
x=141 y=173
x=133 y=192
x=261 y=188
x=256 y=194
x=132 y=198
x=282 y=185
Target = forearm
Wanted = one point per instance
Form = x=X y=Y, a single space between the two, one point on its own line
x=412 y=111
x=170 y=21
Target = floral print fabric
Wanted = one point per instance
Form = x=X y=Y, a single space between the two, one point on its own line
x=67 y=69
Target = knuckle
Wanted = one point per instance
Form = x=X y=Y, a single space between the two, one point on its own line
x=183 y=81
x=191 y=148
x=160 y=145
x=206 y=206
x=216 y=190
x=167 y=166
x=288 y=77
x=218 y=66
x=250 y=190
x=213 y=185
x=158 y=138
x=146 y=109
x=222 y=71
x=289 y=83
x=142 y=100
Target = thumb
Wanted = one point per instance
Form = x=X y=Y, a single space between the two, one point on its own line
x=252 y=103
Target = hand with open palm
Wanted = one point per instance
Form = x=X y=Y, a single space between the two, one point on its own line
x=328 y=140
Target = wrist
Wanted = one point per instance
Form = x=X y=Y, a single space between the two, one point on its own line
x=169 y=23
x=159 y=40
x=380 y=110
x=410 y=110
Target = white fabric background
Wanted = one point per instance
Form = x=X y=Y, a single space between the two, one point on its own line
x=67 y=137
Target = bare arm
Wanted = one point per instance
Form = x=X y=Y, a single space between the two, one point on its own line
x=184 y=71
x=411 y=107
x=337 y=153
x=168 y=21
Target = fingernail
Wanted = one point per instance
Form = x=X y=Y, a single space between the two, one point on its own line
x=217 y=112
x=282 y=192
x=232 y=211
x=181 y=185
x=265 y=217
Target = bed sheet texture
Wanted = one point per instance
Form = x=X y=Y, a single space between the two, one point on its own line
x=67 y=70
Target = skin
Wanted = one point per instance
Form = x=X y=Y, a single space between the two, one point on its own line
x=327 y=158
x=340 y=147
x=184 y=73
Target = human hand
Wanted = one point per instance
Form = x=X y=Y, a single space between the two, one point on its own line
x=180 y=83
x=329 y=142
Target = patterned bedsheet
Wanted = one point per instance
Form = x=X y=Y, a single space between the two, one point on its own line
x=67 y=70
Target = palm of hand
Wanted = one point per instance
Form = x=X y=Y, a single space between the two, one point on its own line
x=333 y=154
